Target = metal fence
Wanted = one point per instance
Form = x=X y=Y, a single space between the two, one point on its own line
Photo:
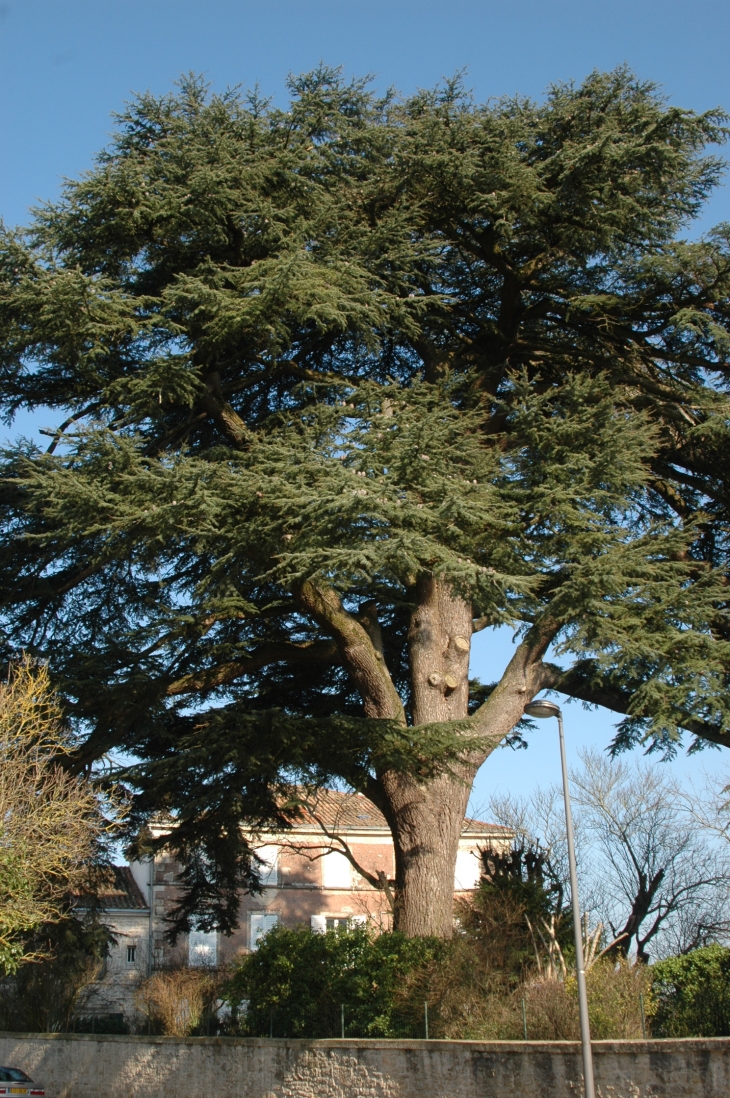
x=333 y=1020
x=668 y=1014
x=676 y=1015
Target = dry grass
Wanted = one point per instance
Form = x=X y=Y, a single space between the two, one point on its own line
x=471 y=998
x=551 y=1007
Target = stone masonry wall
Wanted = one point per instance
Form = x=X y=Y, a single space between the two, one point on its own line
x=84 y=1066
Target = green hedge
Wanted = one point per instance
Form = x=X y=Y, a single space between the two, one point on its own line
x=692 y=994
x=296 y=983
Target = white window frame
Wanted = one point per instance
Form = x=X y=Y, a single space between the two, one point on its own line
x=260 y=923
x=318 y=923
x=269 y=871
x=336 y=871
x=203 y=948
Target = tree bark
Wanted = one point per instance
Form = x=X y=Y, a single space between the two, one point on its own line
x=363 y=659
x=426 y=819
x=426 y=822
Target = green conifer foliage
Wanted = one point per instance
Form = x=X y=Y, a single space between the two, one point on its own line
x=341 y=385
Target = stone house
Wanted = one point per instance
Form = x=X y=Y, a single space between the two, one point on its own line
x=308 y=880
x=125 y=910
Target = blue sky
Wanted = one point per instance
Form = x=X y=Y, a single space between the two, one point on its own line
x=66 y=65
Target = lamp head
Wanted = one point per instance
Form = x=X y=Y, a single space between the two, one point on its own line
x=542 y=708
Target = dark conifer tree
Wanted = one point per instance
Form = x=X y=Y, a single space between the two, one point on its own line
x=341 y=385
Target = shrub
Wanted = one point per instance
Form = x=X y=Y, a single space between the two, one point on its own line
x=177 y=1000
x=615 y=990
x=45 y=995
x=297 y=981
x=516 y=906
x=692 y=994
x=614 y=1004
x=471 y=1003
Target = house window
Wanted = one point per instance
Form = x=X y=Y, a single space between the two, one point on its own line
x=336 y=870
x=269 y=870
x=203 y=948
x=468 y=870
x=260 y=925
x=322 y=923
x=131 y=954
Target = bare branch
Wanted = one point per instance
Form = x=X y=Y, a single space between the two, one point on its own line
x=58 y=433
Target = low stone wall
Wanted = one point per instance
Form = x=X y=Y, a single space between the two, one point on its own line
x=86 y=1066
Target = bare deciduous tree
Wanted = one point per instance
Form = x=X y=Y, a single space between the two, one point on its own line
x=648 y=865
x=709 y=805
x=662 y=881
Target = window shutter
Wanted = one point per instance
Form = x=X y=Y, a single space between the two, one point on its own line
x=261 y=924
x=336 y=870
x=269 y=871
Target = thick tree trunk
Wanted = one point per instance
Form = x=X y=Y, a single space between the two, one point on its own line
x=439 y=643
x=426 y=822
x=427 y=819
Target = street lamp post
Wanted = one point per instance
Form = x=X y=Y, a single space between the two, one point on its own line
x=544 y=708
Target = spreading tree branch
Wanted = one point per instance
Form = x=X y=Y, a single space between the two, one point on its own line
x=225 y=416
x=283 y=652
x=358 y=652
x=578 y=682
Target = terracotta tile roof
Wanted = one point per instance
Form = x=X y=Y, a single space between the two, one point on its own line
x=484 y=828
x=118 y=891
x=356 y=812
